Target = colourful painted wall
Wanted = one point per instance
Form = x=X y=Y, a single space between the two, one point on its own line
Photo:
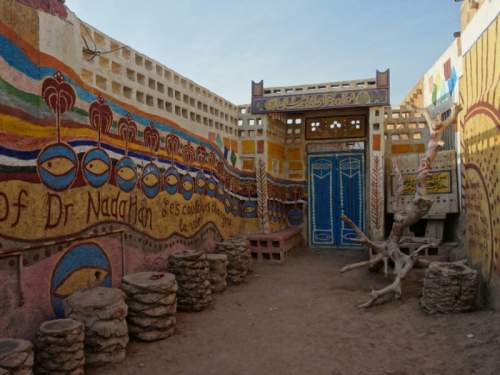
x=92 y=187
x=480 y=142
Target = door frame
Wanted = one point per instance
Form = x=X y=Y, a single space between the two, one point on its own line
x=309 y=196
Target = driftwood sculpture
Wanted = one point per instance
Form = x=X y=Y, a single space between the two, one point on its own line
x=383 y=251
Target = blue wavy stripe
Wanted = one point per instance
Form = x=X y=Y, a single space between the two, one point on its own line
x=16 y=58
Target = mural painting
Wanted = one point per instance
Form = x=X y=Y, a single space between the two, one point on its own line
x=74 y=161
x=85 y=265
x=480 y=144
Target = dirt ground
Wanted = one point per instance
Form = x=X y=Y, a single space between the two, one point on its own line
x=301 y=318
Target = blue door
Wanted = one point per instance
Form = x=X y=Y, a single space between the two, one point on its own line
x=336 y=187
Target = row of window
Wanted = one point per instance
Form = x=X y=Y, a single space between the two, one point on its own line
x=144 y=98
x=104 y=44
x=250 y=122
x=160 y=87
x=126 y=54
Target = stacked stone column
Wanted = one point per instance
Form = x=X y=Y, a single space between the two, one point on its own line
x=218 y=272
x=60 y=348
x=449 y=287
x=151 y=300
x=103 y=312
x=191 y=271
x=16 y=357
x=239 y=258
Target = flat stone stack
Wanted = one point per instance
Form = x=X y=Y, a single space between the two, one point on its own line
x=16 y=357
x=192 y=273
x=239 y=258
x=152 y=304
x=104 y=312
x=60 y=348
x=449 y=288
x=218 y=272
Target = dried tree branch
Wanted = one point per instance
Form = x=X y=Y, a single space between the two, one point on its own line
x=405 y=216
x=362 y=237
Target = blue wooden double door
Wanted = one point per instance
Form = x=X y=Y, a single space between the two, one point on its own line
x=336 y=187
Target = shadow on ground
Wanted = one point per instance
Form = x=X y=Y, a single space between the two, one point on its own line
x=301 y=318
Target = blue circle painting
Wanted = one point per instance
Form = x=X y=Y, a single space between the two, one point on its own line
x=187 y=184
x=96 y=167
x=125 y=174
x=249 y=209
x=211 y=186
x=150 y=181
x=171 y=180
x=201 y=183
x=82 y=266
x=57 y=166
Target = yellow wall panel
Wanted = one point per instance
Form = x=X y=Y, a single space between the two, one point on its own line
x=248 y=146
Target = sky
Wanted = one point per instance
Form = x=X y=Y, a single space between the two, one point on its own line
x=225 y=44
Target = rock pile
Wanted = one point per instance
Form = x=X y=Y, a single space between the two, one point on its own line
x=60 y=347
x=191 y=271
x=218 y=272
x=16 y=357
x=449 y=287
x=103 y=311
x=239 y=258
x=151 y=300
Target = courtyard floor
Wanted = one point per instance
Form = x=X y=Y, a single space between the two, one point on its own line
x=301 y=318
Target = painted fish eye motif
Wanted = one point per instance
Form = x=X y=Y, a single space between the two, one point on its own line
x=227 y=203
x=250 y=209
x=211 y=185
x=187 y=183
x=83 y=266
x=150 y=181
x=171 y=180
x=220 y=191
x=201 y=183
x=96 y=167
x=125 y=174
x=57 y=166
x=295 y=216
x=235 y=208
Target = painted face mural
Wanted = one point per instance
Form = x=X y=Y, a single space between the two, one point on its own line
x=57 y=163
x=187 y=184
x=201 y=183
x=150 y=182
x=125 y=174
x=57 y=166
x=171 y=180
x=96 y=167
x=82 y=266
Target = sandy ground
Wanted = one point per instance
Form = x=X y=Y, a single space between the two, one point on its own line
x=301 y=318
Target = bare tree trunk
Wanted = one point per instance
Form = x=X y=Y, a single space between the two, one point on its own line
x=404 y=216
